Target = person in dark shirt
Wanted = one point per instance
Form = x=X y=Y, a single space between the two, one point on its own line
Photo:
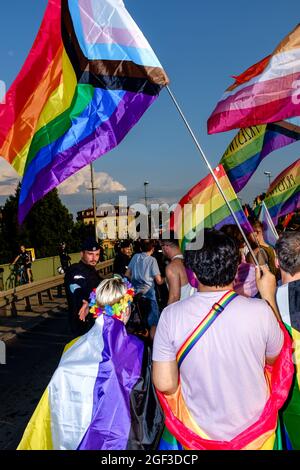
x=65 y=259
x=24 y=261
x=80 y=279
x=122 y=258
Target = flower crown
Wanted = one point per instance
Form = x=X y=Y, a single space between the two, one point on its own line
x=116 y=310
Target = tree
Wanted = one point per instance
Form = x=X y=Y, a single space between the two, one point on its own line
x=48 y=223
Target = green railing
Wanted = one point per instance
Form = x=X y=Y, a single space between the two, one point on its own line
x=42 y=268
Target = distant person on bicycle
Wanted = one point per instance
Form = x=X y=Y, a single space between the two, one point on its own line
x=24 y=260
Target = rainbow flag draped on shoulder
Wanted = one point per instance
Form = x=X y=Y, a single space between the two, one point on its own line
x=288 y=299
x=88 y=79
x=266 y=92
x=252 y=144
x=182 y=432
x=283 y=196
x=187 y=220
x=100 y=397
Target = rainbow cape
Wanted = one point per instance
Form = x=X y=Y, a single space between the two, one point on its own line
x=187 y=220
x=100 y=397
x=288 y=299
x=252 y=144
x=266 y=92
x=283 y=195
x=87 y=80
x=182 y=432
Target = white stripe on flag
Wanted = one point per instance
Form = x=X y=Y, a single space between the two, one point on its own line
x=72 y=386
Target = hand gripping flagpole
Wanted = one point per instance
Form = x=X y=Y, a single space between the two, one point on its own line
x=213 y=175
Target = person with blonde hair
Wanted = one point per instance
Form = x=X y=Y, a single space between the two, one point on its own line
x=101 y=396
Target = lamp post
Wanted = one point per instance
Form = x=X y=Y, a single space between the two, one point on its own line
x=145 y=187
x=93 y=188
x=268 y=174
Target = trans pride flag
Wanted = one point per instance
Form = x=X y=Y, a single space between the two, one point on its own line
x=268 y=91
x=100 y=396
x=187 y=221
x=252 y=144
x=88 y=79
x=283 y=195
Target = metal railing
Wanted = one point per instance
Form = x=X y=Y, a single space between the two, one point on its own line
x=9 y=298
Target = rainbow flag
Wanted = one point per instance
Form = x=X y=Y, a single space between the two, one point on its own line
x=204 y=207
x=288 y=300
x=87 y=80
x=252 y=144
x=266 y=92
x=100 y=397
x=182 y=432
x=283 y=195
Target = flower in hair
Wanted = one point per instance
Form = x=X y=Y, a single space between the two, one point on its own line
x=117 y=309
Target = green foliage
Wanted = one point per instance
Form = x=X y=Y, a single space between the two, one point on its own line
x=48 y=223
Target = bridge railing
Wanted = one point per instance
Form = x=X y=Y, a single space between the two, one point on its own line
x=9 y=298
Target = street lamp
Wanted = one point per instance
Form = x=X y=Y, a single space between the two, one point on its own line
x=268 y=174
x=145 y=187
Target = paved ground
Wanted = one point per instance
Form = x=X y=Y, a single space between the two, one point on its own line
x=34 y=343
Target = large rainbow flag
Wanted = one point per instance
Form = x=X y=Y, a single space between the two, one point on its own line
x=100 y=397
x=266 y=92
x=187 y=220
x=283 y=195
x=182 y=432
x=252 y=144
x=87 y=80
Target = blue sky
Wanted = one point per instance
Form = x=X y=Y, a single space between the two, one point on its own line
x=200 y=44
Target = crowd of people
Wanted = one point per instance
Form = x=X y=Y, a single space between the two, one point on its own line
x=214 y=393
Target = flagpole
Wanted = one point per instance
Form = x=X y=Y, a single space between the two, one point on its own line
x=212 y=173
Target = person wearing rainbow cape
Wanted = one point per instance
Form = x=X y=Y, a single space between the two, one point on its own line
x=222 y=362
x=101 y=396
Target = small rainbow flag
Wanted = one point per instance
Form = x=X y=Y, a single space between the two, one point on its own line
x=204 y=207
x=283 y=196
x=252 y=144
x=87 y=80
x=266 y=92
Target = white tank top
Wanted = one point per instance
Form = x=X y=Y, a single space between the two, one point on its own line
x=187 y=290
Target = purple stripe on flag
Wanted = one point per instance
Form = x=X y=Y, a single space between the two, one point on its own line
x=118 y=373
x=244 y=222
x=103 y=139
x=281 y=209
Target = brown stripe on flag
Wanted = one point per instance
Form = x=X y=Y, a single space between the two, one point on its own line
x=106 y=68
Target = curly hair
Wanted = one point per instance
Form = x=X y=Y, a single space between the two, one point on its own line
x=216 y=263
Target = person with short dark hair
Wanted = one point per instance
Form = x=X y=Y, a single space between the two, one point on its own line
x=220 y=342
x=245 y=281
x=80 y=279
x=24 y=260
x=176 y=274
x=122 y=258
x=65 y=259
x=143 y=271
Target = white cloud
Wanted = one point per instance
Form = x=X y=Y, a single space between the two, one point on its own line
x=81 y=182
x=9 y=178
